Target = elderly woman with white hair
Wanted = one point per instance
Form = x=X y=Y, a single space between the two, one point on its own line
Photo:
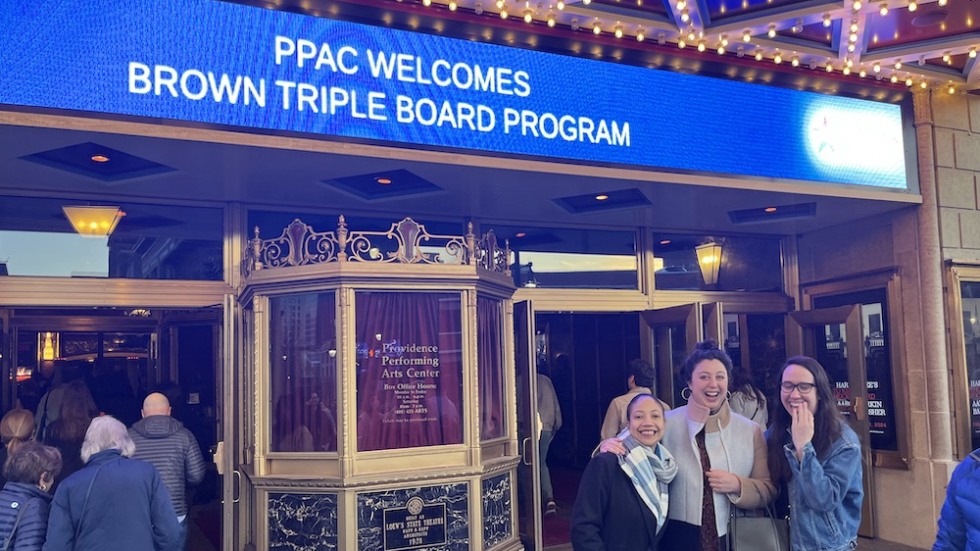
x=114 y=502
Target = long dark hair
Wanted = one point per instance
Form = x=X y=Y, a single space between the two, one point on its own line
x=827 y=420
x=742 y=381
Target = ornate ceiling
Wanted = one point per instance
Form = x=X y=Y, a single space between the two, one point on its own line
x=870 y=48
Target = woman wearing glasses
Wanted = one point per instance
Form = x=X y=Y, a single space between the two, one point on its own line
x=815 y=458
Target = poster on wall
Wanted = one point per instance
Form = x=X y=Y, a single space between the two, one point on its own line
x=409 y=370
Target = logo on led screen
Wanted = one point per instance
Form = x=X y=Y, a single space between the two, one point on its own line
x=841 y=139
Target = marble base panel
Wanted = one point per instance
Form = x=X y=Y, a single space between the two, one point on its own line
x=302 y=522
x=401 y=507
x=497 y=509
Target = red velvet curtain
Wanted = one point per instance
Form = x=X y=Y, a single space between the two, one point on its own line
x=409 y=369
x=489 y=318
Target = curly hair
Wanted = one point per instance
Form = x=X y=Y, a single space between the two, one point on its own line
x=705 y=350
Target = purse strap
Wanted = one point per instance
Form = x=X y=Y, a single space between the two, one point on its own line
x=88 y=494
x=13 y=531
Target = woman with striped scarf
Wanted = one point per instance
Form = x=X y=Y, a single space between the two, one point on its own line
x=622 y=500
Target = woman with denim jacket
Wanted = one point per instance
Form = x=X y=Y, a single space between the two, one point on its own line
x=816 y=460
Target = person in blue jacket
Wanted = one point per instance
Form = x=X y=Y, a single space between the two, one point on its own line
x=24 y=500
x=815 y=458
x=114 y=503
x=959 y=520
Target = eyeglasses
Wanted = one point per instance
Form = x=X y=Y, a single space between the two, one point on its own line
x=789 y=387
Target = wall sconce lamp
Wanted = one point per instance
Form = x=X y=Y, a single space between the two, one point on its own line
x=91 y=221
x=709 y=260
x=48 y=343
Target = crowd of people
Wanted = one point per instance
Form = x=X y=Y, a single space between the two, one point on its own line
x=77 y=479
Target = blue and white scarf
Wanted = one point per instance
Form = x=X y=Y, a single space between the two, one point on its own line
x=650 y=469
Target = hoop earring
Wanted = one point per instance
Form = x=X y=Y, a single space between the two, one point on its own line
x=688 y=396
x=728 y=394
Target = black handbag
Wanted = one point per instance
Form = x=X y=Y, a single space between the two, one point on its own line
x=758 y=533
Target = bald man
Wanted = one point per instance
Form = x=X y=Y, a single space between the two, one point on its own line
x=163 y=442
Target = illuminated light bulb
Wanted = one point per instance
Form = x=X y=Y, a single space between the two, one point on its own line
x=596 y=29
x=826 y=20
x=883 y=10
x=758 y=55
x=427 y=3
x=854 y=26
x=772 y=31
x=701 y=46
x=724 y=40
x=913 y=5
x=856 y=6
x=778 y=58
x=908 y=81
x=923 y=85
x=898 y=64
x=691 y=36
x=527 y=16
x=795 y=62
x=942 y=3
x=846 y=70
x=894 y=79
x=850 y=47
x=586 y=2
x=876 y=67
x=973 y=53
x=500 y=4
x=453 y=6
x=681 y=44
x=560 y=5
x=947 y=59
x=681 y=4
x=685 y=15
x=951 y=89
x=747 y=36
x=503 y=13
x=862 y=73
x=721 y=50
x=618 y=32
x=551 y=20
x=850 y=63
x=639 y=36
x=829 y=68
x=853 y=37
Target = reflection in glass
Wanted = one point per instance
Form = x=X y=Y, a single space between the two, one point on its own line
x=877 y=362
x=570 y=258
x=970 y=293
x=669 y=352
x=151 y=242
x=303 y=378
x=706 y=262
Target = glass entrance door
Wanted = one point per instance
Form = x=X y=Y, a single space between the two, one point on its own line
x=529 y=476
x=673 y=332
x=833 y=336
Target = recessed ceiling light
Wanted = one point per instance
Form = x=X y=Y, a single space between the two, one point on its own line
x=520 y=234
x=601 y=197
x=382 y=180
x=665 y=242
x=770 y=209
x=100 y=158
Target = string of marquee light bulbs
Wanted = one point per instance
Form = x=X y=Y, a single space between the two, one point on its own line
x=698 y=39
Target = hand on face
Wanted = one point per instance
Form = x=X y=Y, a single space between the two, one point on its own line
x=802 y=429
x=724 y=482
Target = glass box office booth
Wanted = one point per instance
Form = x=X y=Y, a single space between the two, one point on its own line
x=382 y=389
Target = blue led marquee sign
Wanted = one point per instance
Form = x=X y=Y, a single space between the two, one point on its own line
x=219 y=63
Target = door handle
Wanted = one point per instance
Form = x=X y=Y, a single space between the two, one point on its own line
x=524 y=455
x=859 y=408
x=238 y=486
